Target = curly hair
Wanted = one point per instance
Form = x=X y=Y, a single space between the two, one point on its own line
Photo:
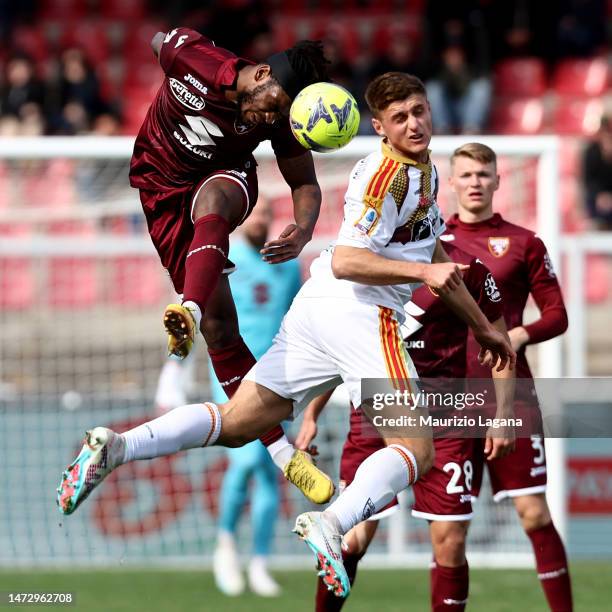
x=308 y=61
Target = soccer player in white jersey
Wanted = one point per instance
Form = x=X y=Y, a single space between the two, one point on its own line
x=342 y=326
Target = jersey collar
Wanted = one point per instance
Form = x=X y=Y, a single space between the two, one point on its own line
x=388 y=152
x=228 y=72
x=494 y=221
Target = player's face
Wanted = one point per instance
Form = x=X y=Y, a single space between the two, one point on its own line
x=264 y=102
x=474 y=184
x=407 y=126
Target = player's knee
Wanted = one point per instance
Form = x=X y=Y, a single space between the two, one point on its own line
x=425 y=459
x=220 y=198
x=448 y=541
x=235 y=432
x=533 y=512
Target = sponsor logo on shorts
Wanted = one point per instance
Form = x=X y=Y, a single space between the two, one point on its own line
x=465 y=498
x=193 y=81
x=537 y=471
x=184 y=96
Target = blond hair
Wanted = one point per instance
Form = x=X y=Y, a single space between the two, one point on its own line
x=476 y=151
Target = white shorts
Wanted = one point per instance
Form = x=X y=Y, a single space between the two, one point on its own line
x=325 y=341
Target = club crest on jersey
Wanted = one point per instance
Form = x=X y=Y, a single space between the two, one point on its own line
x=243 y=128
x=181 y=92
x=498 y=247
x=364 y=225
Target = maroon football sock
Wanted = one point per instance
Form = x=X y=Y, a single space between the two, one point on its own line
x=551 y=564
x=326 y=601
x=206 y=258
x=231 y=363
x=449 y=587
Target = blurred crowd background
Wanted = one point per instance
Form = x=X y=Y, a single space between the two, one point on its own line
x=490 y=66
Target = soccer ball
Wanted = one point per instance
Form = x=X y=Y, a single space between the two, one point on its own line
x=324 y=117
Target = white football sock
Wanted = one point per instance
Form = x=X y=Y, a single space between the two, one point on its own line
x=190 y=426
x=377 y=481
x=281 y=452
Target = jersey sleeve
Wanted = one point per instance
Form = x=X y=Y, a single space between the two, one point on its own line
x=284 y=143
x=367 y=223
x=175 y=42
x=546 y=292
x=483 y=288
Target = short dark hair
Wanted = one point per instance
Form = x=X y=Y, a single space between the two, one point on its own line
x=391 y=87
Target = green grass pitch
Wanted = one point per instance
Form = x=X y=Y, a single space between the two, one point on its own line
x=375 y=590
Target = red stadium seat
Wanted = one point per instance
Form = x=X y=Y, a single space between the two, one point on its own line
x=136 y=103
x=286 y=32
x=137 y=41
x=573 y=216
x=72 y=282
x=91 y=37
x=124 y=10
x=570 y=157
x=137 y=281
x=17 y=283
x=63 y=9
x=577 y=116
x=30 y=40
x=344 y=33
x=582 y=77
x=597 y=279
x=520 y=77
x=409 y=26
x=517 y=116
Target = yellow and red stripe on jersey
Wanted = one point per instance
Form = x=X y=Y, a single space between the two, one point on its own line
x=393 y=350
x=377 y=190
x=410 y=462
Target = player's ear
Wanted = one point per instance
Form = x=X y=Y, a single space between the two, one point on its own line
x=377 y=125
x=497 y=179
x=262 y=72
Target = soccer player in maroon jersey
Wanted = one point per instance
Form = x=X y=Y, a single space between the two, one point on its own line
x=521 y=266
x=437 y=343
x=194 y=167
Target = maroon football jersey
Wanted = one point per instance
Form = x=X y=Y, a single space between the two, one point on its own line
x=520 y=264
x=191 y=129
x=438 y=348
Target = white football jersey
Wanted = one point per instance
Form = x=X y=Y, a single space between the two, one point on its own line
x=390 y=208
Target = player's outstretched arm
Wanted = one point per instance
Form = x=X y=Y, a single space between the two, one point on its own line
x=495 y=346
x=299 y=173
x=361 y=265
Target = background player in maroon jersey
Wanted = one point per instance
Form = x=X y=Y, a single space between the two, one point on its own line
x=437 y=341
x=193 y=164
x=521 y=266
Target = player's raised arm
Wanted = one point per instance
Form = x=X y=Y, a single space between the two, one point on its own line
x=299 y=173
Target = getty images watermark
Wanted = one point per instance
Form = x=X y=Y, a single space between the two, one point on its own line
x=474 y=408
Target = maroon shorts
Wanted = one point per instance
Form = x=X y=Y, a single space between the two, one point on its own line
x=170 y=223
x=522 y=472
x=445 y=492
